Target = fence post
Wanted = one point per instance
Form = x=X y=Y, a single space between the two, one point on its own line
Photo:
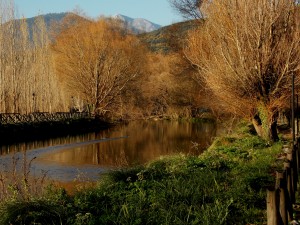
x=272 y=206
x=295 y=169
x=291 y=172
x=297 y=154
x=296 y=115
x=281 y=184
x=287 y=167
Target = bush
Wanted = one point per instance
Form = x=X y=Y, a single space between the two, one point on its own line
x=38 y=211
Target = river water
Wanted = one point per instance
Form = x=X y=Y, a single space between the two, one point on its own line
x=89 y=155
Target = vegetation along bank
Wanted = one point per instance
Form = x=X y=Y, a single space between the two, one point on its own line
x=225 y=185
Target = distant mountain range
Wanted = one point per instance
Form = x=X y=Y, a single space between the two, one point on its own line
x=160 y=39
x=138 y=25
x=157 y=38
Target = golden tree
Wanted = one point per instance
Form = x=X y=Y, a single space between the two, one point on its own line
x=96 y=60
x=246 y=53
x=27 y=80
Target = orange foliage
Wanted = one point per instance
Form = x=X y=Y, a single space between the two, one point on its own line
x=96 y=61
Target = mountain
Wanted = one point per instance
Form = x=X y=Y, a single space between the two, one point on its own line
x=52 y=22
x=49 y=19
x=157 y=38
x=138 y=25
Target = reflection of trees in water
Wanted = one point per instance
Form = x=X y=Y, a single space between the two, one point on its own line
x=151 y=139
x=119 y=160
x=19 y=147
x=146 y=141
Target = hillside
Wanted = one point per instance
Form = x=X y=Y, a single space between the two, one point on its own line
x=52 y=22
x=48 y=18
x=168 y=38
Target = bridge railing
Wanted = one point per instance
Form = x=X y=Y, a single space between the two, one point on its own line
x=16 y=118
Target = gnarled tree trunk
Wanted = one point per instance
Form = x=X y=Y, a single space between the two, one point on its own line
x=265 y=124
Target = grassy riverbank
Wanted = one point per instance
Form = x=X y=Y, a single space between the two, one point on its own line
x=225 y=185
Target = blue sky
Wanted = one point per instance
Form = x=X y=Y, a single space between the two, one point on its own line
x=157 y=11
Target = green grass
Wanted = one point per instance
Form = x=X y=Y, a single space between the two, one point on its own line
x=225 y=185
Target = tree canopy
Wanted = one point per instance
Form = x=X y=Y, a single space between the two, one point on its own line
x=96 y=60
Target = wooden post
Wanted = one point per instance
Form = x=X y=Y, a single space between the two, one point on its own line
x=291 y=173
x=289 y=195
x=293 y=108
x=296 y=115
x=281 y=184
x=272 y=206
x=290 y=182
x=295 y=169
x=298 y=154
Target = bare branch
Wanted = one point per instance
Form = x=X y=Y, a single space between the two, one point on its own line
x=246 y=53
x=189 y=9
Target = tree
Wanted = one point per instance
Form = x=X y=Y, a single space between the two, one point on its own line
x=246 y=53
x=44 y=85
x=189 y=9
x=96 y=60
x=27 y=81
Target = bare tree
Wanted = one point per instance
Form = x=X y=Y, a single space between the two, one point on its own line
x=189 y=9
x=27 y=79
x=246 y=53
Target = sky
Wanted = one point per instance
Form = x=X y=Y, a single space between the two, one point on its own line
x=156 y=11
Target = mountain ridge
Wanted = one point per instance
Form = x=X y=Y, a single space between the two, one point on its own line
x=136 y=25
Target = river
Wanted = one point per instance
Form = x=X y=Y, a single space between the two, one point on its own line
x=89 y=155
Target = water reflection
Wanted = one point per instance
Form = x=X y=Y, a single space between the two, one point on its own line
x=135 y=143
x=146 y=141
x=23 y=146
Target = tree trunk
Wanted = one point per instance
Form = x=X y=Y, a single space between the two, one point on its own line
x=256 y=121
x=265 y=124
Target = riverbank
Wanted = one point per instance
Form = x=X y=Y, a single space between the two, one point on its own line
x=15 y=128
x=13 y=133
x=225 y=185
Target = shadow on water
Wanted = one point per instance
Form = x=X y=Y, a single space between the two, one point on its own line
x=92 y=154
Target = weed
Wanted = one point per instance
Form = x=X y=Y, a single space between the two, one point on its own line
x=16 y=181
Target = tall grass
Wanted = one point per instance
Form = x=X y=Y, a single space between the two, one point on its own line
x=17 y=182
x=22 y=195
